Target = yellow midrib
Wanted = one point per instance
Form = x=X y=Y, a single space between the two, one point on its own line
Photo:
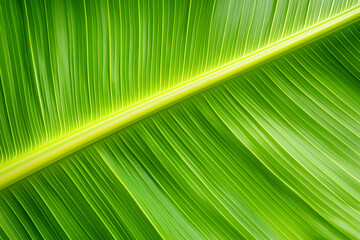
x=72 y=143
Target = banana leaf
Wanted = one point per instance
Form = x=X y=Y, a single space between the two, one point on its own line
x=193 y=119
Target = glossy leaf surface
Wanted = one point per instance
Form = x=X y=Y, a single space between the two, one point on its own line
x=273 y=152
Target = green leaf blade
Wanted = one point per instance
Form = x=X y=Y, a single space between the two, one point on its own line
x=271 y=153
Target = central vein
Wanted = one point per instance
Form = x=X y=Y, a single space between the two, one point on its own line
x=74 y=142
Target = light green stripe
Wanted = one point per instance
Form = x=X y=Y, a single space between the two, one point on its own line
x=57 y=150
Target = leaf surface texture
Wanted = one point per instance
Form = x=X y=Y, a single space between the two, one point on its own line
x=272 y=153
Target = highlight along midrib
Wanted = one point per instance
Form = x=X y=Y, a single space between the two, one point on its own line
x=55 y=151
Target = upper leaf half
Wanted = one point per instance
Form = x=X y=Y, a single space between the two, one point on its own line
x=66 y=65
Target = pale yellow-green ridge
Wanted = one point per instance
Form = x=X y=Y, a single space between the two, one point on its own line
x=46 y=155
